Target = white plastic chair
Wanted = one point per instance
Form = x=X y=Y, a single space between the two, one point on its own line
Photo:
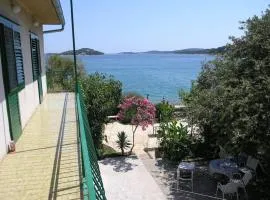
x=230 y=189
x=242 y=183
x=184 y=175
x=251 y=166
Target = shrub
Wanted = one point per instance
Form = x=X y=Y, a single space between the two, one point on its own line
x=164 y=112
x=132 y=94
x=102 y=95
x=131 y=111
x=174 y=141
x=142 y=113
x=60 y=73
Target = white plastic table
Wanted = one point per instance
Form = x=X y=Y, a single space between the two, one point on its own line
x=223 y=166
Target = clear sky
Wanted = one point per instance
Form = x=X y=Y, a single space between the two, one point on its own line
x=140 y=25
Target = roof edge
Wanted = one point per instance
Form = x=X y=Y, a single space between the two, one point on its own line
x=59 y=11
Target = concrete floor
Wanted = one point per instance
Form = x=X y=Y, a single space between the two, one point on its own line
x=36 y=170
x=126 y=178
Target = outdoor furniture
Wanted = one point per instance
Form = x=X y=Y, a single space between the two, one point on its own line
x=185 y=172
x=113 y=117
x=224 y=167
x=242 y=182
x=251 y=166
x=230 y=189
x=241 y=159
x=156 y=128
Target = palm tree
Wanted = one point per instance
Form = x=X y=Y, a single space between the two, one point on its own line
x=122 y=142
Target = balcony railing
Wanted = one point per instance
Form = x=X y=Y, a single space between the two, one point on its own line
x=92 y=182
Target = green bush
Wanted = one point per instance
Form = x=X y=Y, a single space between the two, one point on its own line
x=132 y=94
x=164 y=111
x=60 y=73
x=102 y=95
x=174 y=141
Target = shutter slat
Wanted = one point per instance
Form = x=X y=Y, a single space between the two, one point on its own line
x=19 y=58
x=35 y=57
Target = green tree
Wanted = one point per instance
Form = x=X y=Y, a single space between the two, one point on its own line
x=230 y=100
x=164 y=111
x=60 y=73
x=102 y=95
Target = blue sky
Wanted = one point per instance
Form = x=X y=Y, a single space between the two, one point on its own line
x=141 y=25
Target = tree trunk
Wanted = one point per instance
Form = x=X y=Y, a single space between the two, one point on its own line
x=130 y=152
x=122 y=150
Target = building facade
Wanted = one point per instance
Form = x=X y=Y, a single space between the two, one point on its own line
x=22 y=62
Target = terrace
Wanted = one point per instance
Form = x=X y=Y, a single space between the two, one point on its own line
x=47 y=163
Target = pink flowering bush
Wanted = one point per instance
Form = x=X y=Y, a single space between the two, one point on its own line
x=141 y=112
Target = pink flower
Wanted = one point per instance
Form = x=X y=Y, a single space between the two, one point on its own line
x=145 y=111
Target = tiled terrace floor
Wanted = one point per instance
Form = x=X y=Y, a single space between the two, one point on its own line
x=46 y=162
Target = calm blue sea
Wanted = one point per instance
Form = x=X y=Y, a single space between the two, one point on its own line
x=158 y=75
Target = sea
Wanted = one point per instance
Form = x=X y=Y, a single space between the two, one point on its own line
x=156 y=76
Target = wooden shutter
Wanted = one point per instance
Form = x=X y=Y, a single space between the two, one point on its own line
x=35 y=57
x=19 y=58
x=12 y=57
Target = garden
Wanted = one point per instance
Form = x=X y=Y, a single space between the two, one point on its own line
x=221 y=135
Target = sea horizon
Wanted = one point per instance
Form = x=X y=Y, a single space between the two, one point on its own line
x=158 y=76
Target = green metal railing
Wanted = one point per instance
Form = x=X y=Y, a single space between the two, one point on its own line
x=92 y=182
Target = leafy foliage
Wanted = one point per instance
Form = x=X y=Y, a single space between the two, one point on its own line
x=164 y=112
x=131 y=112
x=142 y=113
x=102 y=95
x=122 y=142
x=60 y=73
x=230 y=100
x=132 y=94
x=174 y=140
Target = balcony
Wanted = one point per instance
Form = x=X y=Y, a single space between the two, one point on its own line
x=48 y=160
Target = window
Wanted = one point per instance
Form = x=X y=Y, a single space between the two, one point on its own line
x=35 y=52
x=12 y=59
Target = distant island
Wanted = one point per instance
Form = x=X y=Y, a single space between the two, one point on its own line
x=185 y=51
x=90 y=52
x=82 y=51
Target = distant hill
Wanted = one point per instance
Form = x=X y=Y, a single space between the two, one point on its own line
x=82 y=51
x=200 y=51
x=185 y=51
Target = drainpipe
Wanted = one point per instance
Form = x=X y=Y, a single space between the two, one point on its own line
x=59 y=12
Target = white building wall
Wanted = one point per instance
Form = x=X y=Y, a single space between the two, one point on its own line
x=4 y=127
x=28 y=97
